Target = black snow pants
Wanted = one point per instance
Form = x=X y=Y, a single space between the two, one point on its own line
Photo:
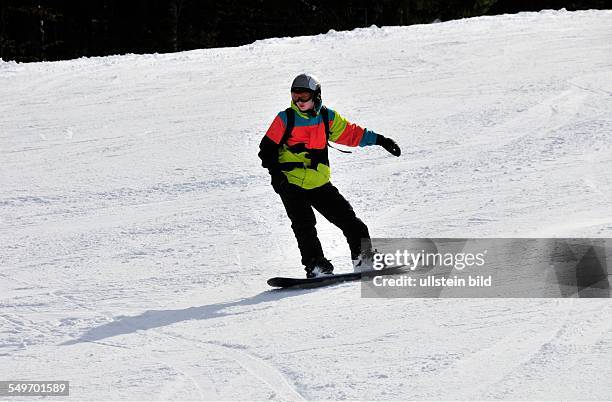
x=328 y=201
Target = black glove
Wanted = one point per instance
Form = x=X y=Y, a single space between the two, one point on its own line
x=388 y=144
x=279 y=181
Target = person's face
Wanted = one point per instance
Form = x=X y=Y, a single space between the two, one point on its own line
x=303 y=100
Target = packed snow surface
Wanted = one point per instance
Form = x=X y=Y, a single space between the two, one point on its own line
x=138 y=228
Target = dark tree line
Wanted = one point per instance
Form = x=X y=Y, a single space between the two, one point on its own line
x=33 y=30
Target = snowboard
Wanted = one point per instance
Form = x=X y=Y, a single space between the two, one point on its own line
x=324 y=280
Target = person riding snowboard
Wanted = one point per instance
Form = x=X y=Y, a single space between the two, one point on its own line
x=294 y=150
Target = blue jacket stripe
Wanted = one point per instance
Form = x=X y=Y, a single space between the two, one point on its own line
x=369 y=138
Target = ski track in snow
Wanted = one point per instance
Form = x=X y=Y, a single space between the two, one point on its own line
x=138 y=228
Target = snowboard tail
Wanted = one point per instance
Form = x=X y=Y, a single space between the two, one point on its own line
x=303 y=283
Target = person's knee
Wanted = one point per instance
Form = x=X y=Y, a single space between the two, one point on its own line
x=304 y=226
x=353 y=224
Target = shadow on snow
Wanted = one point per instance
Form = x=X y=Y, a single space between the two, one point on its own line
x=150 y=319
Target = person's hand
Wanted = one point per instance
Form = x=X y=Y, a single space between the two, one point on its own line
x=388 y=144
x=279 y=181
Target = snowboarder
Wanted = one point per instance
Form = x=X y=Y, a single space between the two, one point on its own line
x=294 y=150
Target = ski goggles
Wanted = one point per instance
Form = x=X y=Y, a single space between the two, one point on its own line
x=301 y=96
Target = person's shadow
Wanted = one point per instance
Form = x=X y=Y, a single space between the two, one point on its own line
x=159 y=318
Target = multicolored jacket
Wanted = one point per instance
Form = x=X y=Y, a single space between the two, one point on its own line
x=303 y=157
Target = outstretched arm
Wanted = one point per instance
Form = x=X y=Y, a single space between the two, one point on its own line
x=350 y=134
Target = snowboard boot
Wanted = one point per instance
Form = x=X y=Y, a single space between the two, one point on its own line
x=319 y=267
x=364 y=261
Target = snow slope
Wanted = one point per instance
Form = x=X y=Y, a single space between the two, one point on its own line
x=138 y=229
